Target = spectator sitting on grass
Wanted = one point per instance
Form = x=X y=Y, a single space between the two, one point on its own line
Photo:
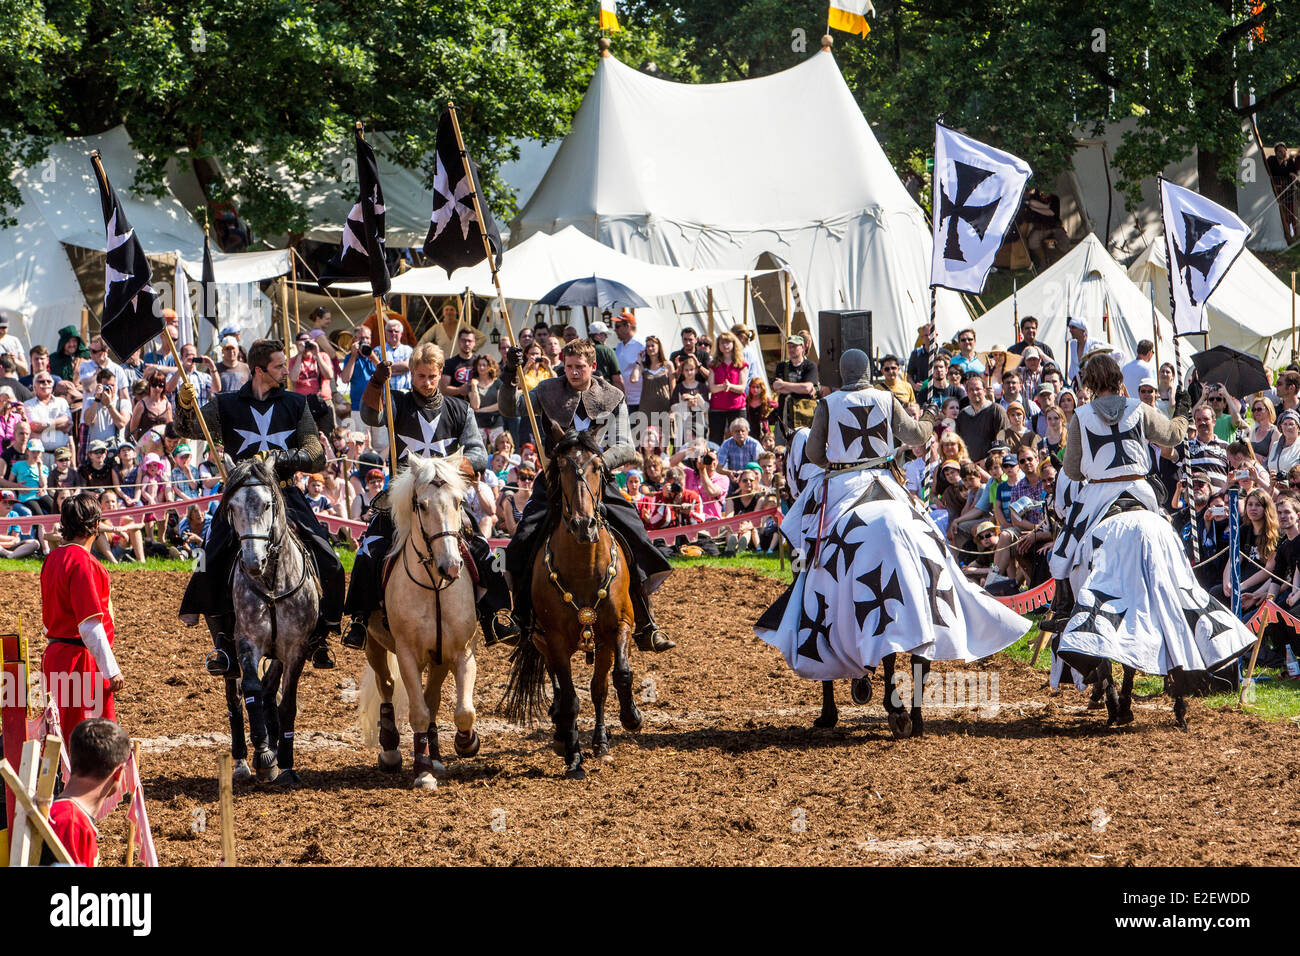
x=123 y=541
x=13 y=542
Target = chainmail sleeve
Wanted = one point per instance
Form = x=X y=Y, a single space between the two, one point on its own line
x=187 y=424
x=908 y=430
x=619 y=450
x=814 y=450
x=1072 y=466
x=471 y=443
x=309 y=456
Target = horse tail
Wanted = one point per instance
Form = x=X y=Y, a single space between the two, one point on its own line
x=369 y=699
x=525 y=700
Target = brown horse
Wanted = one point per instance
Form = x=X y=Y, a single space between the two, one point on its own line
x=580 y=583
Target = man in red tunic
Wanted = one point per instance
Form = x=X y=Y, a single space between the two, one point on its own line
x=81 y=674
x=98 y=751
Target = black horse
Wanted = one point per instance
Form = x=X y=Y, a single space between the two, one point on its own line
x=903 y=721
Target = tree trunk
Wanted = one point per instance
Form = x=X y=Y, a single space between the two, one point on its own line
x=1216 y=183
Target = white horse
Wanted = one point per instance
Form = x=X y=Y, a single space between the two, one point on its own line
x=430 y=621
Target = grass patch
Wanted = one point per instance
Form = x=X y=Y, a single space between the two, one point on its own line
x=150 y=564
x=766 y=564
x=1274 y=699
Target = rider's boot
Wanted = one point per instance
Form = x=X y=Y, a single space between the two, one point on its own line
x=1062 y=608
x=498 y=628
x=318 y=647
x=355 y=638
x=647 y=634
x=224 y=660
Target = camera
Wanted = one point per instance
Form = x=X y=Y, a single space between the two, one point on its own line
x=675 y=489
x=365 y=348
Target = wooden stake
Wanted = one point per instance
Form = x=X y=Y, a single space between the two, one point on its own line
x=132 y=829
x=226 y=798
x=284 y=315
x=32 y=813
x=20 y=839
x=785 y=303
x=1250 y=671
x=45 y=789
x=85 y=322
x=496 y=279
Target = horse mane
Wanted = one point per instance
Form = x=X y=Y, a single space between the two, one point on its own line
x=419 y=472
x=252 y=471
x=571 y=439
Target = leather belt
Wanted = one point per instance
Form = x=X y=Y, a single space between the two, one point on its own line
x=67 y=640
x=1104 y=481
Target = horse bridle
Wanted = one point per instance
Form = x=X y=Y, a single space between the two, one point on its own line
x=596 y=506
x=274 y=546
x=427 y=559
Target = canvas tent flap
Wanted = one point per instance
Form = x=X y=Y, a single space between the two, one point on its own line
x=1081 y=284
x=231 y=267
x=1250 y=310
x=714 y=176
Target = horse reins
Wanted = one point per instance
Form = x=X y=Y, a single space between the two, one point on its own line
x=275 y=543
x=586 y=615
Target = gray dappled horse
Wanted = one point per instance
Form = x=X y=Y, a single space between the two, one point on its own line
x=276 y=599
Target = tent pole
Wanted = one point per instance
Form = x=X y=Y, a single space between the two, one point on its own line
x=293 y=276
x=711 y=335
x=785 y=302
x=745 y=308
x=1293 y=316
x=496 y=278
x=1155 y=326
x=85 y=320
x=316 y=279
x=284 y=314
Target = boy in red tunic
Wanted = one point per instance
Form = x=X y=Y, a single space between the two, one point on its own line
x=80 y=671
x=98 y=750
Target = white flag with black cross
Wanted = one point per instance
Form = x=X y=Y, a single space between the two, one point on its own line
x=977 y=193
x=1202 y=241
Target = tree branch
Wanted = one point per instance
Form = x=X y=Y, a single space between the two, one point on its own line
x=1234 y=33
x=1268 y=99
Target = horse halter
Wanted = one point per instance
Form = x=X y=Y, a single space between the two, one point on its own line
x=275 y=543
x=597 y=508
x=427 y=559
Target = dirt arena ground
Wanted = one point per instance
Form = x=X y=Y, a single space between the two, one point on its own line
x=726 y=770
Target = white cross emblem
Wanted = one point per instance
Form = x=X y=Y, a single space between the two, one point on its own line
x=263 y=438
x=366 y=542
x=453 y=206
x=425 y=445
x=580 y=424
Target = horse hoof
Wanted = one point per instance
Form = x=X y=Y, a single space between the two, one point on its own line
x=900 y=725
x=425 y=781
x=860 y=690
x=390 y=761
x=466 y=743
x=827 y=719
x=241 y=771
x=631 y=722
x=288 y=779
x=577 y=773
x=268 y=774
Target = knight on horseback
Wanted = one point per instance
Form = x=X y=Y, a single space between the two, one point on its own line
x=576 y=401
x=433 y=425
x=260 y=419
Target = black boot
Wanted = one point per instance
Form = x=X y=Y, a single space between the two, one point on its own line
x=1062 y=609
x=498 y=629
x=648 y=636
x=223 y=660
x=319 y=649
x=355 y=638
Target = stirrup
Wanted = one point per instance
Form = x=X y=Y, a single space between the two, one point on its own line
x=355 y=638
x=322 y=658
x=652 y=638
x=218 y=663
x=1061 y=609
x=499 y=630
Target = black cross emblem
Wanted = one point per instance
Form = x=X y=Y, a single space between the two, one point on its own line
x=818 y=628
x=933 y=570
x=1073 y=529
x=1116 y=438
x=864 y=430
x=1194 y=227
x=883 y=593
x=845 y=551
x=1097 y=610
x=1205 y=612
x=968 y=180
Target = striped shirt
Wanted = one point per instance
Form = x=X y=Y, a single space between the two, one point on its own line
x=1210 y=457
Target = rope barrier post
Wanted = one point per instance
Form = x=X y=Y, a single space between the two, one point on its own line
x=496 y=277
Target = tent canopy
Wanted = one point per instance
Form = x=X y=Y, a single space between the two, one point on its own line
x=1250 y=310
x=714 y=176
x=1083 y=283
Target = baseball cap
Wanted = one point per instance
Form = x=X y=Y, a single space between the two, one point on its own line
x=231 y=331
x=1046 y=388
x=795 y=340
x=598 y=328
x=950 y=463
x=35 y=444
x=1009 y=460
x=181 y=450
x=1030 y=352
x=61 y=453
x=8 y=495
x=97 y=445
x=1148 y=382
x=229 y=340
x=1011 y=405
x=4 y=321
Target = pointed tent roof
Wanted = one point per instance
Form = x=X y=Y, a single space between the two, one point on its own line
x=1250 y=310
x=715 y=175
x=1083 y=282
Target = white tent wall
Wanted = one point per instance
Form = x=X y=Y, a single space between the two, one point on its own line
x=38 y=287
x=1250 y=310
x=1081 y=284
x=692 y=176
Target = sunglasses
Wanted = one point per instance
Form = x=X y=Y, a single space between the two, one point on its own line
x=890 y=368
x=988 y=535
x=95 y=351
x=1028 y=461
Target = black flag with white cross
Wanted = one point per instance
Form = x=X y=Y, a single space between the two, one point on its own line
x=361 y=255
x=132 y=315
x=977 y=193
x=1202 y=241
x=209 y=306
x=455 y=234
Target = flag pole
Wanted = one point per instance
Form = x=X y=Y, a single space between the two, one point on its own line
x=1155 y=326
x=382 y=326
x=171 y=345
x=496 y=279
x=293 y=277
x=1185 y=466
x=1293 y=315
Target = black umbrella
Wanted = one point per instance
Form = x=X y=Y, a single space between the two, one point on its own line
x=1240 y=374
x=593 y=292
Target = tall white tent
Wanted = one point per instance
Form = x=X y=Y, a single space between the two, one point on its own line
x=715 y=176
x=1084 y=283
x=1250 y=310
